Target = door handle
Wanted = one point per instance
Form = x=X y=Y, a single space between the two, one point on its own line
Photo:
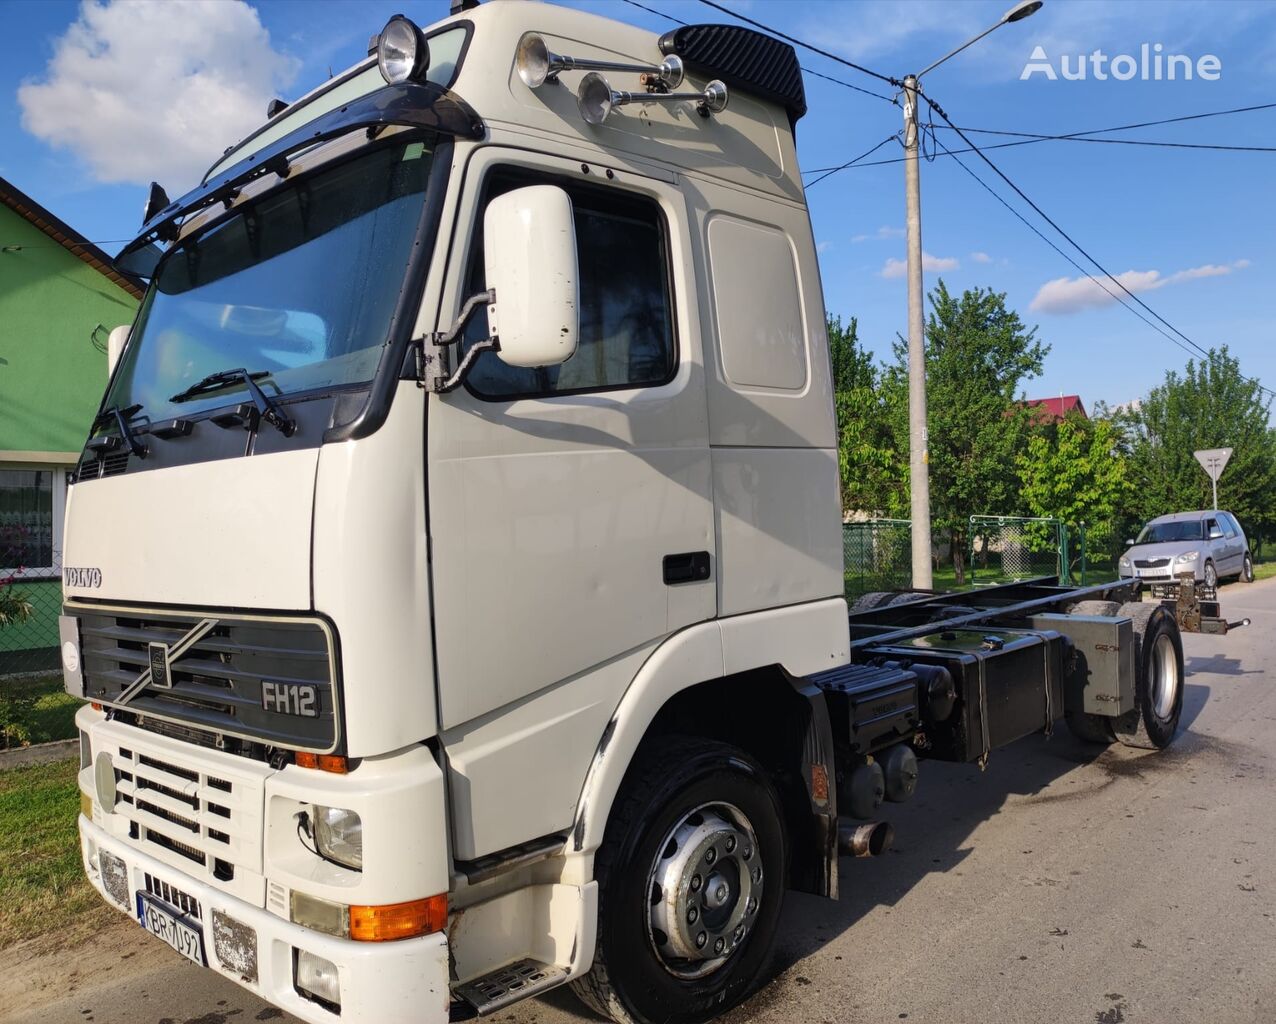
x=687 y=567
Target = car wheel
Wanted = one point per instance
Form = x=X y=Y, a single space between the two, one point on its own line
x=1247 y=569
x=691 y=877
x=1211 y=575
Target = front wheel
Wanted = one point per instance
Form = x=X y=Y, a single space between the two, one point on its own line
x=1211 y=575
x=691 y=877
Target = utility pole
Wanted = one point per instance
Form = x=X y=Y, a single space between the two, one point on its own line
x=918 y=435
x=918 y=454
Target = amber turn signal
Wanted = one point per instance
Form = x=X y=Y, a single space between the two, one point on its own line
x=399 y=920
x=335 y=763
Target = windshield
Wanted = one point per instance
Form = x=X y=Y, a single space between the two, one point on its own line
x=299 y=287
x=1160 y=533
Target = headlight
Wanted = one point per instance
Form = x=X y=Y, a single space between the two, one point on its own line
x=1189 y=556
x=1124 y=563
x=339 y=836
x=402 y=52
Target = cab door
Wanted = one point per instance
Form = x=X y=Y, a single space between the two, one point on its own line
x=571 y=514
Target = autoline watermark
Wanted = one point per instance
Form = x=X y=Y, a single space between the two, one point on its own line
x=1151 y=65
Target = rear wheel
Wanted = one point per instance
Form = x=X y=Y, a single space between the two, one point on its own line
x=1158 y=680
x=691 y=877
x=1247 y=569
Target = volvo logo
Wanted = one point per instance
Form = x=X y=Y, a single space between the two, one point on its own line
x=83 y=577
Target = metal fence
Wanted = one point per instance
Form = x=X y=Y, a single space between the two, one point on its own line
x=30 y=645
x=1005 y=548
x=876 y=555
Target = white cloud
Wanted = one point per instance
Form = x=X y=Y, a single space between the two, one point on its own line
x=883 y=232
x=143 y=90
x=1066 y=295
x=935 y=264
x=981 y=257
x=823 y=246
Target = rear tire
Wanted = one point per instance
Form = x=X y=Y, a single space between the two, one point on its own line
x=1158 y=679
x=1108 y=608
x=871 y=600
x=1247 y=569
x=681 y=797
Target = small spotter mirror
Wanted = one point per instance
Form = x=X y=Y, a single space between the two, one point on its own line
x=538 y=64
x=596 y=98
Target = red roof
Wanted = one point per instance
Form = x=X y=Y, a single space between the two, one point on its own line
x=1058 y=408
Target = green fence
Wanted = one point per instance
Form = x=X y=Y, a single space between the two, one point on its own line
x=1007 y=548
x=876 y=555
x=32 y=645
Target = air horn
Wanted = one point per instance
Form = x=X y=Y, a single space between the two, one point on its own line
x=537 y=64
x=596 y=98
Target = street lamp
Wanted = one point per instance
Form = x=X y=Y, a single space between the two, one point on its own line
x=918 y=455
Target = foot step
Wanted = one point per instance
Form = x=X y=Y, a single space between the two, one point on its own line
x=512 y=982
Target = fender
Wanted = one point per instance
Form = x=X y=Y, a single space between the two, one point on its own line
x=802 y=639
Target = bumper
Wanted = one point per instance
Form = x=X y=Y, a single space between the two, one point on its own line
x=1160 y=574
x=386 y=983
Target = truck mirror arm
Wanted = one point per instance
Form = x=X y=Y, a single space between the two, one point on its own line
x=447 y=379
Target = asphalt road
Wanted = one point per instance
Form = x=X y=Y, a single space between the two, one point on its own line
x=1061 y=885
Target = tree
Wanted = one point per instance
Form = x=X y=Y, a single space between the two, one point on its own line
x=868 y=462
x=1210 y=405
x=1074 y=471
x=978 y=353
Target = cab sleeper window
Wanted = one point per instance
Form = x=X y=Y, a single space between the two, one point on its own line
x=626 y=317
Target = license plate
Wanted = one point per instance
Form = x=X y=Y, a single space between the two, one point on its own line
x=172 y=928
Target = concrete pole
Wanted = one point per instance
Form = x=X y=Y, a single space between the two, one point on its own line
x=918 y=436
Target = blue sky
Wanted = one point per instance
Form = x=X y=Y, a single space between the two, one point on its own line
x=1192 y=229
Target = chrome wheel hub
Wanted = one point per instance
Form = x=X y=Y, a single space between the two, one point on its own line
x=705 y=889
x=1165 y=677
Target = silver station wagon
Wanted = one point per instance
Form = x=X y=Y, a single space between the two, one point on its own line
x=1209 y=544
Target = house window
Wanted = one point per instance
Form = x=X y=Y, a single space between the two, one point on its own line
x=626 y=307
x=32 y=500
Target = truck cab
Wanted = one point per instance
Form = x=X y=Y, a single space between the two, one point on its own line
x=468 y=445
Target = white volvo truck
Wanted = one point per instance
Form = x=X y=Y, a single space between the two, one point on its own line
x=454 y=571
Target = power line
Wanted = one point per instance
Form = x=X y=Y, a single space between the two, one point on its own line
x=849 y=163
x=807 y=46
x=805 y=71
x=1199 y=350
x=1032 y=139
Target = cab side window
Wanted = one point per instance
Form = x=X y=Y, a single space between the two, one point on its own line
x=626 y=311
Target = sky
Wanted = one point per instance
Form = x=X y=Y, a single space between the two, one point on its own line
x=98 y=98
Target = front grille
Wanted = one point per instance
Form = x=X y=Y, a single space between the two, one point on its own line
x=199 y=810
x=1151 y=563
x=241 y=679
x=173 y=896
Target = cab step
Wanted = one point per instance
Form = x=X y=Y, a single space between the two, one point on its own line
x=510 y=983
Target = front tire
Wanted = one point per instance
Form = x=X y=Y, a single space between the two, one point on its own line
x=691 y=877
x=1158 y=680
x=1210 y=574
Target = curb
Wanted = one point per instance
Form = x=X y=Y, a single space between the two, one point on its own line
x=41 y=753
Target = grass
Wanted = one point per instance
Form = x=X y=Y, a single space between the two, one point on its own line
x=36 y=711
x=42 y=885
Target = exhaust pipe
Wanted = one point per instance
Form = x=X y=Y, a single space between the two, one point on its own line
x=867 y=840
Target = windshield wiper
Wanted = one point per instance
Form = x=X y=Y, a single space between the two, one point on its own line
x=120 y=417
x=266 y=407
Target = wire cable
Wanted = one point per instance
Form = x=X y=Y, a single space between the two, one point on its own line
x=1033 y=139
x=1195 y=348
x=849 y=163
x=807 y=46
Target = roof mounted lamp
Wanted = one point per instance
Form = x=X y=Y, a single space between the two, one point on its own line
x=537 y=64
x=403 y=55
x=596 y=98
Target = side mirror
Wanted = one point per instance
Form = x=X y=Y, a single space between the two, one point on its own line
x=115 y=342
x=529 y=242
x=1129 y=543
